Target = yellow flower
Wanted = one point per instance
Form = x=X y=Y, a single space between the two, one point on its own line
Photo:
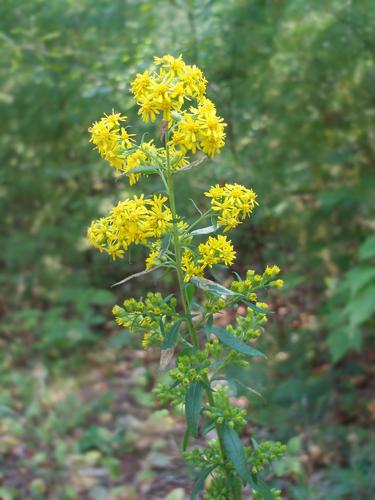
x=233 y=203
x=216 y=249
x=152 y=259
x=133 y=221
x=149 y=108
x=111 y=139
x=189 y=267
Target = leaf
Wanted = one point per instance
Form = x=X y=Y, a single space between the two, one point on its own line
x=362 y=306
x=219 y=290
x=199 y=481
x=189 y=287
x=359 y=276
x=204 y=230
x=259 y=485
x=235 y=343
x=171 y=336
x=136 y=275
x=165 y=358
x=185 y=440
x=191 y=165
x=343 y=340
x=193 y=405
x=212 y=287
x=253 y=306
x=208 y=327
x=146 y=169
x=236 y=453
x=367 y=249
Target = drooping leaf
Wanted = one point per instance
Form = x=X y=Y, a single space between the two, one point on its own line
x=193 y=406
x=171 y=337
x=235 y=343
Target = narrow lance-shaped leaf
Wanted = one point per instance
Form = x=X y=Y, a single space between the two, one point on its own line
x=235 y=343
x=146 y=169
x=236 y=453
x=212 y=286
x=193 y=405
x=170 y=339
x=204 y=230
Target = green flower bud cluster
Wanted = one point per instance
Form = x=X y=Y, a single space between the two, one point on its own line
x=191 y=368
x=214 y=304
x=247 y=327
x=174 y=394
x=264 y=454
x=217 y=490
x=211 y=455
x=225 y=412
x=254 y=282
x=276 y=494
x=213 y=348
x=144 y=316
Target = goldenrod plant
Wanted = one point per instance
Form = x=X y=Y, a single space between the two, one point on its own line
x=175 y=93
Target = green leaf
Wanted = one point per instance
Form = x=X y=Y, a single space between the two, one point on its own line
x=219 y=290
x=185 y=440
x=189 y=287
x=193 y=405
x=146 y=169
x=171 y=336
x=252 y=306
x=362 y=306
x=212 y=287
x=341 y=341
x=367 y=249
x=259 y=485
x=235 y=343
x=199 y=481
x=236 y=453
x=358 y=277
x=204 y=230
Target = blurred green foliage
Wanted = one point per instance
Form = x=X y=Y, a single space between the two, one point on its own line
x=295 y=81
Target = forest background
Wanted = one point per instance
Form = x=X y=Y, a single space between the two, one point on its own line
x=295 y=81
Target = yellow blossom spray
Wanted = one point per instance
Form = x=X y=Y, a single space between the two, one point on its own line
x=176 y=93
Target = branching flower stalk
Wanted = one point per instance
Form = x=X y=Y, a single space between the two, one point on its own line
x=199 y=382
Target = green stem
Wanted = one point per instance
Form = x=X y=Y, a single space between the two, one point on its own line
x=184 y=300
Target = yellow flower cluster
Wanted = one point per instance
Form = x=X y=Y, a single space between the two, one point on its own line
x=134 y=220
x=200 y=128
x=216 y=250
x=117 y=146
x=165 y=90
x=111 y=139
x=233 y=202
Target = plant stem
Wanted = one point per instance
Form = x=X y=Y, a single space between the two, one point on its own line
x=184 y=300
